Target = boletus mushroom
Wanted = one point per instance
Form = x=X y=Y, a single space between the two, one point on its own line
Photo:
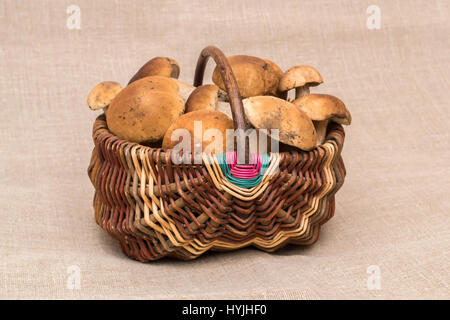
x=208 y=96
x=159 y=66
x=102 y=94
x=322 y=108
x=160 y=83
x=143 y=111
x=254 y=76
x=300 y=78
x=206 y=119
x=295 y=128
x=203 y=97
x=279 y=73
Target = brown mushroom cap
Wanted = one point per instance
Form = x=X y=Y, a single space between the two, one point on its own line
x=158 y=83
x=295 y=128
x=254 y=76
x=203 y=97
x=102 y=94
x=279 y=72
x=321 y=107
x=159 y=66
x=142 y=113
x=298 y=77
x=211 y=119
x=275 y=67
x=161 y=83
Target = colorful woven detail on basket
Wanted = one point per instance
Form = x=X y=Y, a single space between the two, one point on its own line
x=244 y=176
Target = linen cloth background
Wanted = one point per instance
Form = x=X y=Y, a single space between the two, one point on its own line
x=392 y=211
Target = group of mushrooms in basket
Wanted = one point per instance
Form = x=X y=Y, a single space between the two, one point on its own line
x=155 y=103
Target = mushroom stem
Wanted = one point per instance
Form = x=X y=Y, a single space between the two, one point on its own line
x=321 y=130
x=301 y=91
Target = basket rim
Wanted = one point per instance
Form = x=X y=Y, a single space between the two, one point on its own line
x=100 y=129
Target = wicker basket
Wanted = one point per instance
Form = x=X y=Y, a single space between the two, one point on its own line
x=155 y=208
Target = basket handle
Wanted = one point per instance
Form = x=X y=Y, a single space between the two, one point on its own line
x=231 y=87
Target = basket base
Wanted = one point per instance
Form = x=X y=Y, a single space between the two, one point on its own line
x=143 y=251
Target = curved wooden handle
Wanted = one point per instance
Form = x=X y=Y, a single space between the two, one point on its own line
x=231 y=87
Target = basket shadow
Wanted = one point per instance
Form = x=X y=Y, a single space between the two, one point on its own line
x=208 y=256
x=293 y=250
x=110 y=246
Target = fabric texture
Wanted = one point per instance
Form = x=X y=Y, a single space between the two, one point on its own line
x=389 y=237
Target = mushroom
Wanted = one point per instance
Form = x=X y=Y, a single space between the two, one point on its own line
x=300 y=78
x=209 y=119
x=102 y=94
x=254 y=76
x=208 y=96
x=295 y=128
x=162 y=83
x=144 y=110
x=159 y=66
x=275 y=67
x=159 y=83
x=322 y=108
x=203 y=97
x=279 y=73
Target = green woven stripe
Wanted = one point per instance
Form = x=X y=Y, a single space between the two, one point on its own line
x=243 y=183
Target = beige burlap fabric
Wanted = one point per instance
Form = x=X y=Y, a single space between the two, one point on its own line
x=392 y=214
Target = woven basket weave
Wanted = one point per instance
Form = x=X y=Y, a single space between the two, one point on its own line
x=155 y=208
